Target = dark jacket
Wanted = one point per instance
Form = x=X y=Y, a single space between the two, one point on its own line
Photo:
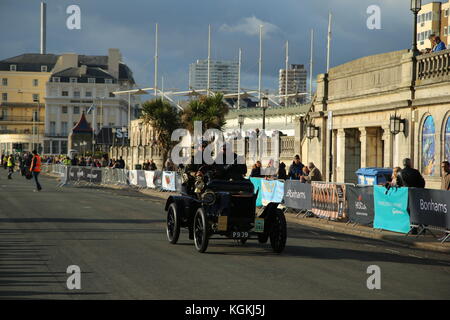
x=295 y=171
x=256 y=172
x=409 y=177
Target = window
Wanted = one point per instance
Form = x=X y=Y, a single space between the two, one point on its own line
x=76 y=94
x=64 y=109
x=35 y=97
x=43 y=68
x=55 y=147
x=4 y=96
x=428 y=147
x=91 y=80
x=73 y=80
x=64 y=128
x=52 y=128
x=446 y=13
x=65 y=93
x=109 y=81
x=445 y=31
x=4 y=81
x=76 y=110
x=88 y=93
x=56 y=79
x=35 y=82
x=447 y=140
x=13 y=67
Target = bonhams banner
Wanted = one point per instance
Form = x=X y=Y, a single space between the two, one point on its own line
x=430 y=207
x=391 y=209
x=297 y=195
x=168 y=181
x=360 y=204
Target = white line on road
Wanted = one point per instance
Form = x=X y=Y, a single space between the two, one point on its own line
x=411 y=255
x=393 y=251
x=370 y=245
x=314 y=233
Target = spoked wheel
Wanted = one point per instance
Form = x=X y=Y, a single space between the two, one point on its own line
x=173 y=224
x=201 y=231
x=278 y=232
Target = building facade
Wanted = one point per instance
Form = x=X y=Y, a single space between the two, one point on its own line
x=433 y=18
x=296 y=84
x=223 y=76
x=22 y=102
x=85 y=83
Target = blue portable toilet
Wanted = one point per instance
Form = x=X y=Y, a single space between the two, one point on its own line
x=373 y=176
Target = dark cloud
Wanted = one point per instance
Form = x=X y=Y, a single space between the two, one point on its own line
x=129 y=25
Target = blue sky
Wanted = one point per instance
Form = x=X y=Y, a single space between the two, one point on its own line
x=183 y=30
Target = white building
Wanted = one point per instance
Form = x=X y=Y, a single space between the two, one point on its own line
x=296 y=83
x=223 y=75
x=78 y=82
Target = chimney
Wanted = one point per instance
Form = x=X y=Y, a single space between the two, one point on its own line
x=114 y=58
x=43 y=27
x=83 y=70
x=65 y=61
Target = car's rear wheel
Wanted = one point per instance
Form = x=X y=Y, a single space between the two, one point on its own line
x=201 y=231
x=173 y=223
x=278 y=232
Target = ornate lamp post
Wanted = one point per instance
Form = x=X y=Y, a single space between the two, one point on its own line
x=241 y=119
x=264 y=104
x=312 y=131
x=416 y=6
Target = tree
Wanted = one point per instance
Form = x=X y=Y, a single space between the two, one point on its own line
x=210 y=110
x=164 y=118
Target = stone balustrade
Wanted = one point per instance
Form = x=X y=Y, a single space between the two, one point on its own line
x=433 y=65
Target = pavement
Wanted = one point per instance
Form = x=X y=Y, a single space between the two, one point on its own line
x=117 y=238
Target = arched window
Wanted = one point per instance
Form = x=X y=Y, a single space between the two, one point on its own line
x=447 y=140
x=428 y=146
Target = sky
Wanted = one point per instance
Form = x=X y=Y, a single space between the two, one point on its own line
x=183 y=33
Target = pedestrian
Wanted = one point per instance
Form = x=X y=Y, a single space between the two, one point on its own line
x=394 y=178
x=10 y=164
x=152 y=166
x=296 y=169
x=436 y=43
x=36 y=169
x=256 y=170
x=282 y=175
x=445 y=182
x=410 y=177
x=313 y=175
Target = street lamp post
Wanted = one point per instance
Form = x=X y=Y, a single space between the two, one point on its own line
x=241 y=122
x=264 y=106
x=416 y=6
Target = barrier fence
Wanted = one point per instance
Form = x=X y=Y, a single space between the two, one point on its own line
x=394 y=209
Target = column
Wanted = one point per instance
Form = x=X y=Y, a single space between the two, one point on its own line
x=387 y=152
x=364 y=149
x=340 y=155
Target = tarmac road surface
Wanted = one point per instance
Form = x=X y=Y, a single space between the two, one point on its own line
x=118 y=239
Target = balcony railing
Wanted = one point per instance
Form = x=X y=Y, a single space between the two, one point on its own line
x=25 y=131
x=433 y=65
x=19 y=119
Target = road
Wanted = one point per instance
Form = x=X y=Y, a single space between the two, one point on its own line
x=117 y=238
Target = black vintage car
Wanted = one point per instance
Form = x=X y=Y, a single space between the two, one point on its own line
x=227 y=209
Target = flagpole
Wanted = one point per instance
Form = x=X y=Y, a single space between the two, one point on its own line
x=311 y=62
x=156 y=60
x=329 y=41
x=208 y=84
x=286 y=74
x=260 y=63
x=239 y=80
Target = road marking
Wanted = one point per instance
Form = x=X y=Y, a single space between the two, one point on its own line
x=331 y=237
x=370 y=245
x=314 y=233
x=393 y=251
x=411 y=255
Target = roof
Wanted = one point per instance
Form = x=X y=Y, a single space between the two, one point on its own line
x=30 y=62
x=77 y=72
x=33 y=61
x=82 y=126
x=296 y=110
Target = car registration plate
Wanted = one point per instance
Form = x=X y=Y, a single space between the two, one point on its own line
x=259 y=225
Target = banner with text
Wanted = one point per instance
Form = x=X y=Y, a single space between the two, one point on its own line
x=430 y=207
x=297 y=195
x=360 y=204
x=391 y=209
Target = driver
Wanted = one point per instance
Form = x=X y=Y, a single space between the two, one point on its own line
x=193 y=171
x=236 y=170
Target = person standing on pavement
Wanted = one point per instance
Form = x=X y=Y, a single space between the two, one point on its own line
x=410 y=177
x=36 y=168
x=445 y=184
x=10 y=164
x=296 y=169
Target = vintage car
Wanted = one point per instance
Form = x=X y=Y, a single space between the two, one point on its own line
x=227 y=209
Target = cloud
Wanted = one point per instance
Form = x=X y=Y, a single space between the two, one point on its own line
x=250 y=26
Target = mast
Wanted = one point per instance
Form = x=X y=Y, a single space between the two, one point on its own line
x=156 y=60
x=311 y=61
x=286 y=74
x=208 y=84
x=260 y=62
x=239 y=80
x=329 y=42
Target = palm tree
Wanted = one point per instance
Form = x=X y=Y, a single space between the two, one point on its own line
x=211 y=111
x=165 y=119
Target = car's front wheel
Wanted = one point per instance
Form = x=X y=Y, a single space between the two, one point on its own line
x=201 y=231
x=173 y=224
x=278 y=232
